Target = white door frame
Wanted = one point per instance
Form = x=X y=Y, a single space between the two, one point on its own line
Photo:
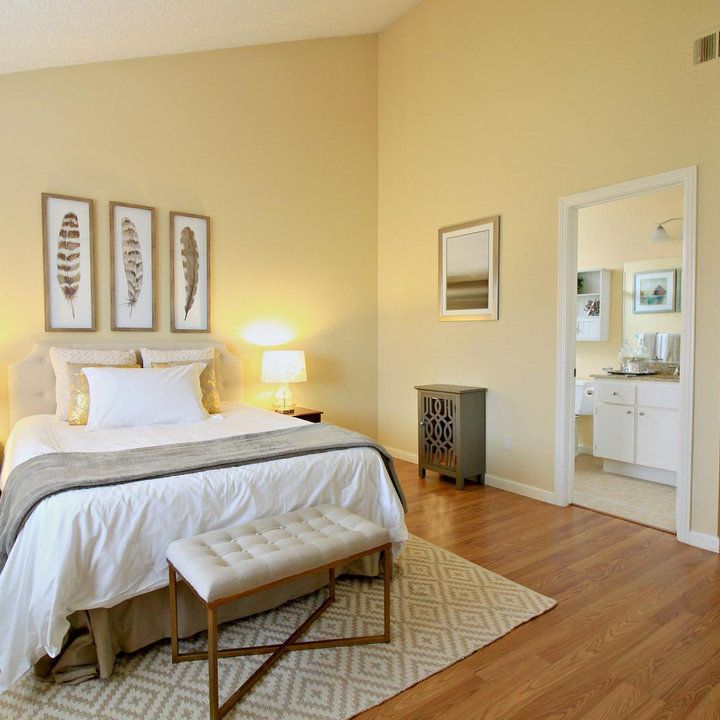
x=567 y=287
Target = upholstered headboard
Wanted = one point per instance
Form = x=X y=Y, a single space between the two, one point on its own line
x=32 y=380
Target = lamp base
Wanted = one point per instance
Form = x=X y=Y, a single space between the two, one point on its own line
x=283 y=400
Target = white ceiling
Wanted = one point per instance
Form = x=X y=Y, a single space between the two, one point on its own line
x=51 y=33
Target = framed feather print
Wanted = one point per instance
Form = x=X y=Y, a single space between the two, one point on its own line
x=68 y=262
x=132 y=266
x=189 y=272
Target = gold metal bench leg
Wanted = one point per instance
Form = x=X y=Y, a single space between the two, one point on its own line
x=215 y=710
x=173 y=614
x=387 y=571
x=218 y=711
x=245 y=688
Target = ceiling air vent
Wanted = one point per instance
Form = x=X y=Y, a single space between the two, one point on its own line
x=705 y=48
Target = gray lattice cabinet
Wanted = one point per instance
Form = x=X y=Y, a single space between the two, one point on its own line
x=451 y=431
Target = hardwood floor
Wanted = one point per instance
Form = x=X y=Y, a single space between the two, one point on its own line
x=635 y=634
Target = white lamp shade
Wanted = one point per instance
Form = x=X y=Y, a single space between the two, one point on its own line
x=283 y=366
x=659 y=234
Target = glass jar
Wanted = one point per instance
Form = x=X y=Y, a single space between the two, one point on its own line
x=625 y=355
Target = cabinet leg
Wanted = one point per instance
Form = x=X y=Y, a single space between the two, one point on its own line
x=481 y=479
x=460 y=483
x=421 y=472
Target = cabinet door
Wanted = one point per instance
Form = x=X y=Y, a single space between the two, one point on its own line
x=658 y=437
x=614 y=432
x=588 y=329
x=438 y=418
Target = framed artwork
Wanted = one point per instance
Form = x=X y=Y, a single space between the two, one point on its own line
x=655 y=291
x=189 y=272
x=132 y=267
x=68 y=262
x=468 y=267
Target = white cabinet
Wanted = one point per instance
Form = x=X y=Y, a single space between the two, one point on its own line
x=587 y=329
x=593 y=305
x=618 y=392
x=658 y=394
x=636 y=428
x=614 y=432
x=657 y=438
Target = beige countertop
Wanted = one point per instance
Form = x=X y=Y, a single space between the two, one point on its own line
x=637 y=378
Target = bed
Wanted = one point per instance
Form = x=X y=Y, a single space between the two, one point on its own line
x=86 y=576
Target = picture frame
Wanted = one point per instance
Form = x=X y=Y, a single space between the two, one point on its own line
x=468 y=270
x=68 y=226
x=132 y=267
x=189 y=272
x=655 y=291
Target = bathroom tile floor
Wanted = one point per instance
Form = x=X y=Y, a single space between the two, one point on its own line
x=644 y=502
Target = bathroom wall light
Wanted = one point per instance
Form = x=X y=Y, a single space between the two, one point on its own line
x=660 y=234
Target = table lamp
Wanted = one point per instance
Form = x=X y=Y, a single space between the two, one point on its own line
x=283 y=366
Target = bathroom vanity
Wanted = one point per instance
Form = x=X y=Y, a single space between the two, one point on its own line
x=636 y=428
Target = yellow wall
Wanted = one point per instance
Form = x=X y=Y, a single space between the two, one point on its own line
x=323 y=224
x=610 y=235
x=503 y=107
x=277 y=144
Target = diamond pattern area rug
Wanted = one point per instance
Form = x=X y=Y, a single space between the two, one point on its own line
x=444 y=608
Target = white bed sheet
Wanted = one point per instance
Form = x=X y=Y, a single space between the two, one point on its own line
x=93 y=548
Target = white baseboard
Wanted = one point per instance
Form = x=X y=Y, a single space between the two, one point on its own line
x=704 y=541
x=641 y=472
x=583 y=450
x=696 y=539
x=402 y=454
x=491 y=480
x=519 y=488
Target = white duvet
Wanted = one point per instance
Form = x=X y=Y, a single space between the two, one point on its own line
x=93 y=548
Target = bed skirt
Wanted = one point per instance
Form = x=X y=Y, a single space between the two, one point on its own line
x=97 y=636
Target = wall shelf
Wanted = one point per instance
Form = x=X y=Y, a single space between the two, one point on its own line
x=595 y=285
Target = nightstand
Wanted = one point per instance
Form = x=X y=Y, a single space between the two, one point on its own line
x=451 y=431
x=314 y=416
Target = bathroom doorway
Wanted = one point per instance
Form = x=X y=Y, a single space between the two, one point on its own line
x=629 y=320
x=626 y=287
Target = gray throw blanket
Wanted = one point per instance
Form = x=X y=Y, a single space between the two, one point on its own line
x=46 y=475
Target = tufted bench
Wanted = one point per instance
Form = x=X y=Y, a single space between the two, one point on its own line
x=225 y=565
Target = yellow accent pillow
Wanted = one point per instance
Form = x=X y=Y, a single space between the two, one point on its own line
x=79 y=408
x=208 y=382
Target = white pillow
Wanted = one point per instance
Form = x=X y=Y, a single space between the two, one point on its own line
x=127 y=397
x=60 y=357
x=150 y=356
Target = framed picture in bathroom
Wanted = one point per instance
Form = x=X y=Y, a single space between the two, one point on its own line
x=654 y=291
x=468 y=270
